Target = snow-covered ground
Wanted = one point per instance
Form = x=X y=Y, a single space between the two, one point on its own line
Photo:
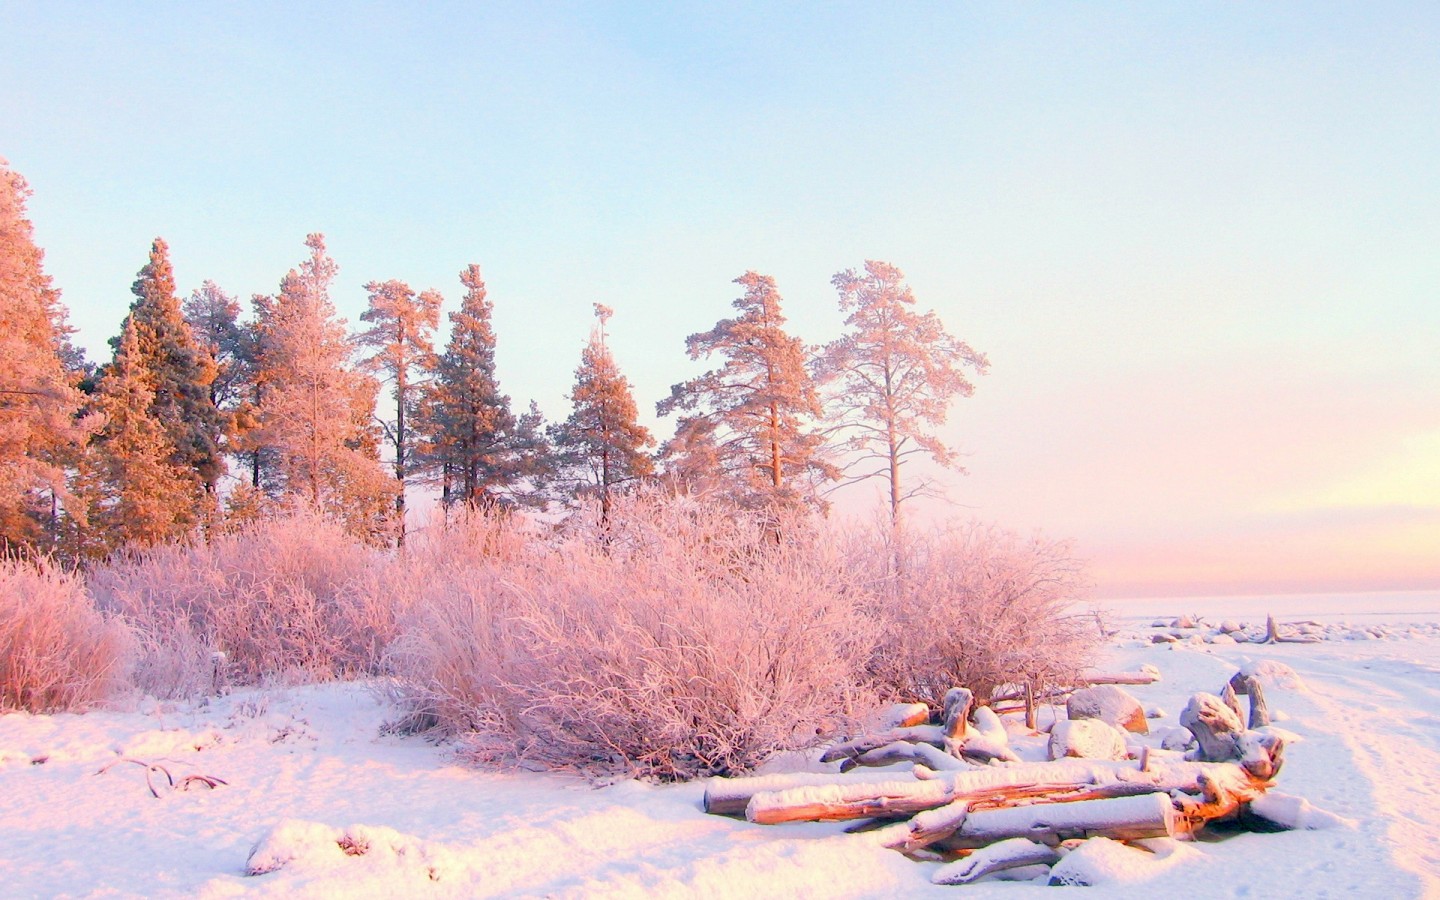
x=308 y=771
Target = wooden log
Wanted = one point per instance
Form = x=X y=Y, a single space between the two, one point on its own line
x=1124 y=818
x=933 y=735
x=1070 y=779
x=835 y=802
x=1119 y=678
x=1272 y=630
x=956 y=712
x=1227 y=694
x=932 y=825
x=901 y=751
x=1259 y=709
x=1009 y=854
x=1220 y=799
x=730 y=796
x=1031 y=717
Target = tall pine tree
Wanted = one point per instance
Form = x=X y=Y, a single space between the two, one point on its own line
x=402 y=348
x=137 y=494
x=316 y=411
x=891 y=379
x=179 y=372
x=601 y=447
x=745 y=426
x=40 y=432
x=482 y=453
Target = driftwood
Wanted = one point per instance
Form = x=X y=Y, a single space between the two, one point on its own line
x=1011 y=813
x=1274 y=636
x=1009 y=854
x=1259 y=709
x=1122 y=818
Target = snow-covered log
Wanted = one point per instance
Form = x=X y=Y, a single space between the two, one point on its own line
x=1121 y=818
x=1008 y=854
x=933 y=735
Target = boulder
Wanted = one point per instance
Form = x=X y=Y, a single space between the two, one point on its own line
x=1086 y=739
x=1109 y=703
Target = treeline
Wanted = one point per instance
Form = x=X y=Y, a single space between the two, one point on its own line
x=205 y=418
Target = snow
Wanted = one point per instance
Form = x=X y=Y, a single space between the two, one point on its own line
x=319 y=794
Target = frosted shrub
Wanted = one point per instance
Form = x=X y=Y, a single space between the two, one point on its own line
x=973 y=606
x=295 y=597
x=677 y=641
x=57 y=652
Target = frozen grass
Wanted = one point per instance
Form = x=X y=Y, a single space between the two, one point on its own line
x=973 y=605
x=294 y=598
x=677 y=641
x=57 y=653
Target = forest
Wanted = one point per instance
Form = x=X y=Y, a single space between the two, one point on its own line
x=224 y=502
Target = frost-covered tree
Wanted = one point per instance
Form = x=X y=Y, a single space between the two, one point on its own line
x=40 y=431
x=136 y=493
x=316 y=411
x=400 y=339
x=214 y=318
x=747 y=423
x=890 y=380
x=482 y=453
x=602 y=446
x=179 y=372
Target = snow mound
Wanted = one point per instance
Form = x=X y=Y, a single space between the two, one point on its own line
x=1101 y=860
x=319 y=848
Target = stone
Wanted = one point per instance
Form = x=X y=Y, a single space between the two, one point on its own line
x=1109 y=703
x=1086 y=739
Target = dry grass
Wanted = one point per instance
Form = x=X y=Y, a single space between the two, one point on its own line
x=680 y=640
x=292 y=599
x=973 y=606
x=57 y=653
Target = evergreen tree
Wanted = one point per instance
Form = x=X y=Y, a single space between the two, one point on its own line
x=179 y=373
x=214 y=318
x=316 y=412
x=400 y=336
x=892 y=379
x=747 y=421
x=136 y=493
x=602 y=445
x=483 y=454
x=40 y=432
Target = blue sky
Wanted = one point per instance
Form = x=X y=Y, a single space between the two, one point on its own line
x=1198 y=241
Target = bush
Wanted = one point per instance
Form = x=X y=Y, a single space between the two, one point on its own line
x=677 y=640
x=280 y=598
x=57 y=652
x=973 y=606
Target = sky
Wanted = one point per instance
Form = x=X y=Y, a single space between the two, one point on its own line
x=1200 y=243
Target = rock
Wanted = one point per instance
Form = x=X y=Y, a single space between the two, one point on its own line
x=1222 y=638
x=1159 y=623
x=1109 y=703
x=1154 y=712
x=1271 y=673
x=1215 y=725
x=1174 y=738
x=1183 y=622
x=1086 y=739
x=1163 y=638
x=1230 y=626
x=1239 y=637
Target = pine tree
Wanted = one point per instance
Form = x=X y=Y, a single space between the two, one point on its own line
x=40 y=432
x=136 y=493
x=483 y=454
x=602 y=445
x=179 y=373
x=316 y=412
x=400 y=335
x=214 y=318
x=747 y=421
x=892 y=379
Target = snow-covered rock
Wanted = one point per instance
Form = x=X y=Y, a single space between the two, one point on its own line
x=1109 y=703
x=1087 y=739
